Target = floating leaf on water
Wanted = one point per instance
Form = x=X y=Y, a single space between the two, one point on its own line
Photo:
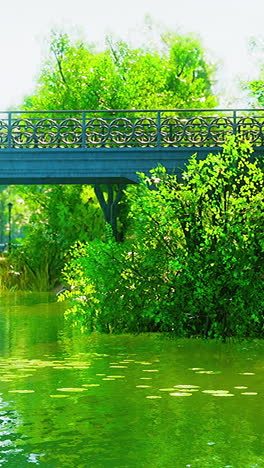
x=249 y=393
x=145 y=378
x=153 y=397
x=60 y=367
x=21 y=391
x=223 y=394
x=70 y=389
x=180 y=394
x=100 y=374
x=241 y=387
x=206 y=372
x=247 y=373
x=150 y=370
x=116 y=376
x=59 y=396
x=107 y=378
x=143 y=386
x=210 y=443
x=144 y=363
x=91 y=385
x=166 y=389
x=196 y=368
x=182 y=390
x=76 y=363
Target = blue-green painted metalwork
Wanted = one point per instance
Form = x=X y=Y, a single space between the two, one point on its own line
x=129 y=128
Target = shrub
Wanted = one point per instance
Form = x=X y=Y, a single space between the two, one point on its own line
x=193 y=263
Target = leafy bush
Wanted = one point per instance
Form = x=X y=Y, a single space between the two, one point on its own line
x=193 y=263
x=59 y=215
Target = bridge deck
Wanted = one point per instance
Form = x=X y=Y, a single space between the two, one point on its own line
x=112 y=146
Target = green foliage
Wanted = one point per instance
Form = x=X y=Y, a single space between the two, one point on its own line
x=59 y=216
x=194 y=261
x=255 y=88
x=77 y=76
x=19 y=215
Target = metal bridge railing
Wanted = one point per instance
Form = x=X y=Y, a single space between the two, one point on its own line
x=129 y=128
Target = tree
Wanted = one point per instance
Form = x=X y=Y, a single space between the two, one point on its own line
x=78 y=77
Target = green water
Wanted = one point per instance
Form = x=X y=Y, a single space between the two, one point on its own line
x=72 y=401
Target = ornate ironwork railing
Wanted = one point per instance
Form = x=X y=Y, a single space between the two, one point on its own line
x=129 y=128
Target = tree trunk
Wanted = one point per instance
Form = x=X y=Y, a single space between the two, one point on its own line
x=110 y=206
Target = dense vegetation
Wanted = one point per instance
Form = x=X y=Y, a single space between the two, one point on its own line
x=193 y=263
x=77 y=76
x=191 y=260
x=55 y=217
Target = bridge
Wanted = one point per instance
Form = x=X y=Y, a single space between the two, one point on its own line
x=94 y=147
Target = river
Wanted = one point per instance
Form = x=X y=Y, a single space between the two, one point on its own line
x=69 y=400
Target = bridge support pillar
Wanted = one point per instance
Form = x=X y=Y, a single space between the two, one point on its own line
x=109 y=205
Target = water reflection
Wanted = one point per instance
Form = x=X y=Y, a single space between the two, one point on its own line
x=123 y=401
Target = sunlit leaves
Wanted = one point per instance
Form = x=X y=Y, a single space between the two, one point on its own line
x=77 y=76
x=60 y=216
x=192 y=263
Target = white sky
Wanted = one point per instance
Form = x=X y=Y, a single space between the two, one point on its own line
x=224 y=26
